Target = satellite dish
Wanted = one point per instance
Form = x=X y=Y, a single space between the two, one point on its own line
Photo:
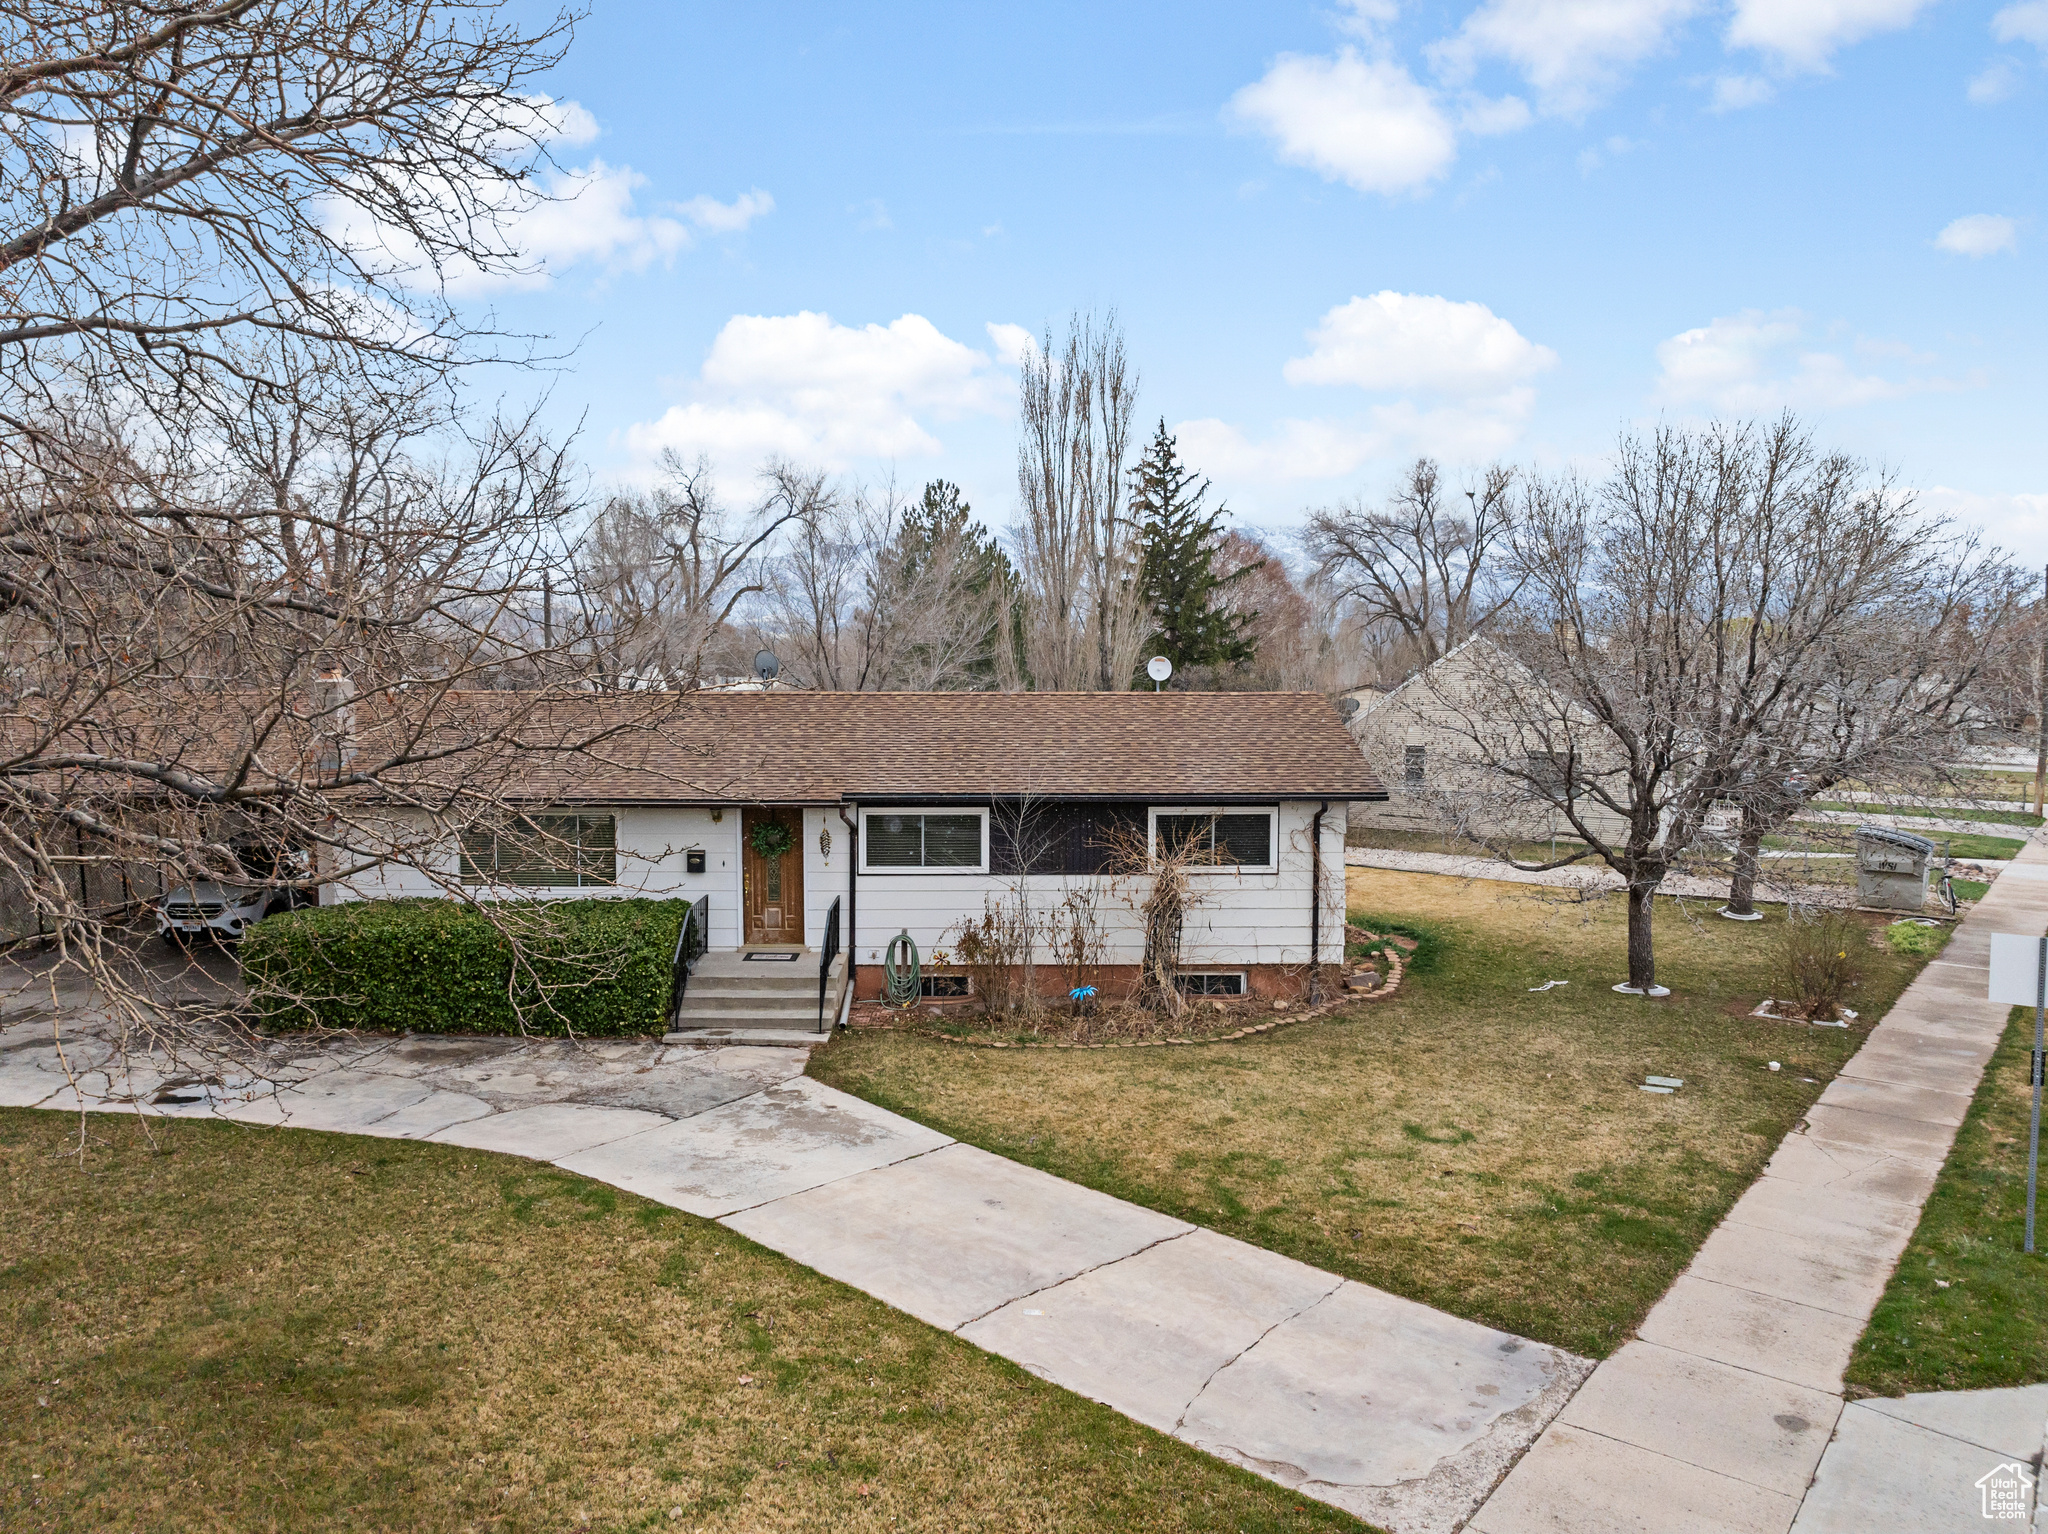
x=1346 y=707
x=766 y=666
x=1159 y=668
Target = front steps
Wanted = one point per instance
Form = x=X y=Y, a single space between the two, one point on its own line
x=730 y=994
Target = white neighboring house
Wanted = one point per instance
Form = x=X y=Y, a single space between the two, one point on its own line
x=901 y=813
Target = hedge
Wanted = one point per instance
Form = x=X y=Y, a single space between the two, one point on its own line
x=592 y=967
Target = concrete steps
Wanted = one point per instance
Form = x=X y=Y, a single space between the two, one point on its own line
x=728 y=993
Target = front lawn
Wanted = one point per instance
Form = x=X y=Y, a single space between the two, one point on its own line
x=261 y=1329
x=1466 y=1142
x=1967 y=1309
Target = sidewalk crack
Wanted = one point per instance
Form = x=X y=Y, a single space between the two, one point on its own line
x=1107 y=1262
x=1201 y=1390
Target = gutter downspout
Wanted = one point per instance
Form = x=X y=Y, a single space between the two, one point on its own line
x=1315 y=905
x=852 y=907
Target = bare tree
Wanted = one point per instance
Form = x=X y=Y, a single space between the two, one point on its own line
x=876 y=594
x=1084 y=622
x=207 y=199
x=1885 y=700
x=1428 y=569
x=1673 y=639
x=267 y=603
x=661 y=573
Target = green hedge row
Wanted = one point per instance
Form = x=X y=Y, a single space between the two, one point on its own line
x=590 y=967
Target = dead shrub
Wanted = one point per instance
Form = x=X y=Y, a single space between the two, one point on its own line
x=1820 y=963
x=994 y=948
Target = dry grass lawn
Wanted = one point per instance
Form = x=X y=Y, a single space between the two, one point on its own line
x=1465 y=1143
x=270 y=1330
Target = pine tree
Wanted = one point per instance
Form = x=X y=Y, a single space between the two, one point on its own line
x=1181 y=541
x=941 y=520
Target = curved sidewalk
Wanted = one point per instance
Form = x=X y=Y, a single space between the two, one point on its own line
x=1399 y=1413
x=1713 y=1420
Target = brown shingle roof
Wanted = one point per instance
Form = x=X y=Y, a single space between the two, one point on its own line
x=821 y=747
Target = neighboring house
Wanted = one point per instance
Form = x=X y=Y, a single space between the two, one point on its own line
x=910 y=812
x=1416 y=739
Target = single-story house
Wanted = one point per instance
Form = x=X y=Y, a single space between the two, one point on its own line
x=911 y=812
x=1417 y=738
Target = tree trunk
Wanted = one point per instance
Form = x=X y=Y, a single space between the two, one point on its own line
x=1742 y=888
x=1642 y=959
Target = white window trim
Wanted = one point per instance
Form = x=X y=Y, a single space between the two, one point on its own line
x=1271 y=812
x=892 y=871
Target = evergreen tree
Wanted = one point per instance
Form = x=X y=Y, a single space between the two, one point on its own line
x=1182 y=540
x=942 y=522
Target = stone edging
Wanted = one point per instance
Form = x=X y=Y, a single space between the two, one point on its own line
x=1322 y=1009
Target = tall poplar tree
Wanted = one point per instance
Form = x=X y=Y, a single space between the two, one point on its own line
x=1181 y=540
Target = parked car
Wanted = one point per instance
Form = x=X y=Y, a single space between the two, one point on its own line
x=208 y=909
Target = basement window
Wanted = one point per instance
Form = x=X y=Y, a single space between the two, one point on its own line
x=944 y=987
x=1210 y=985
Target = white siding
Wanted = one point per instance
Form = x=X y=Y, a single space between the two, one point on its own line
x=1242 y=919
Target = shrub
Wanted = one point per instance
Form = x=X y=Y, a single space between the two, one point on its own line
x=585 y=967
x=1909 y=937
x=1819 y=963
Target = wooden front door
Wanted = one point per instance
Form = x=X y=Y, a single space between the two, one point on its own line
x=773 y=887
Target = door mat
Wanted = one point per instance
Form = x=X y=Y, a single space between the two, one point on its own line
x=771 y=958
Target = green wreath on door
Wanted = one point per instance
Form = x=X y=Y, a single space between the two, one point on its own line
x=770 y=840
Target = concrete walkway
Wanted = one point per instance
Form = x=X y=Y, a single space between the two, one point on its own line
x=1914 y=1463
x=1397 y=1412
x=1714 y=1419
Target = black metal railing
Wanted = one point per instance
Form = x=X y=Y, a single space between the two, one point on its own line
x=830 y=952
x=690 y=945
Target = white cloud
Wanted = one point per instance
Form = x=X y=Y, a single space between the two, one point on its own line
x=2026 y=22
x=1734 y=92
x=1363 y=121
x=804 y=386
x=1366 y=17
x=554 y=219
x=1321 y=449
x=1994 y=83
x=1398 y=342
x=1980 y=234
x=715 y=217
x=1013 y=343
x=1756 y=361
x=1804 y=34
x=1483 y=115
x=1461 y=371
x=1573 y=52
x=2018 y=522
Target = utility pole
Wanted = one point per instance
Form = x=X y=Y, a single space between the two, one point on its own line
x=547 y=613
x=2041 y=704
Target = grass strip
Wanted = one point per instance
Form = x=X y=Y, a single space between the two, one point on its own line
x=1932 y=812
x=1967 y=1309
x=244 y=1328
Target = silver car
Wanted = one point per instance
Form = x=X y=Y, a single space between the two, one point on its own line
x=207 y=909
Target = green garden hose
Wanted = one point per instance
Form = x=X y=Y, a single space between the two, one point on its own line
x=900 y=987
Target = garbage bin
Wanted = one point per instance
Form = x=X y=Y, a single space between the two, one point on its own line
x=1891 y=868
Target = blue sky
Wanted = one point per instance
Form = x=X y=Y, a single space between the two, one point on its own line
x=1336 y=235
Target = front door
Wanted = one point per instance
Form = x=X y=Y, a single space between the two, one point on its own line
x=774 y=886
